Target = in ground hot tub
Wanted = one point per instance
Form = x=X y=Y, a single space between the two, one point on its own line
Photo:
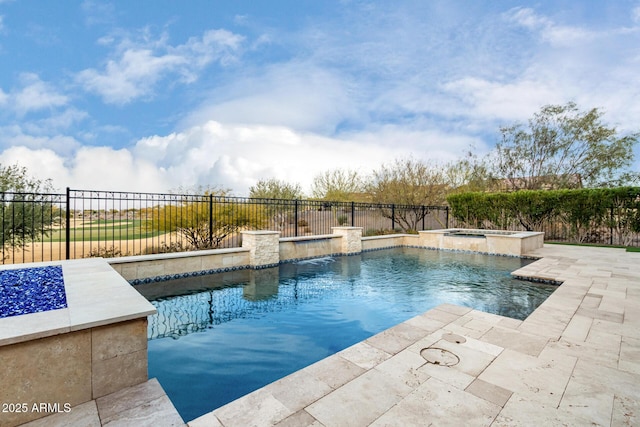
x=496 y=242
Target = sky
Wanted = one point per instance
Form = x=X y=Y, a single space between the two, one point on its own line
x=158 y=95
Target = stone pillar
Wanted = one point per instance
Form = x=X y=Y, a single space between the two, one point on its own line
x=351 y=239
x=264 y=248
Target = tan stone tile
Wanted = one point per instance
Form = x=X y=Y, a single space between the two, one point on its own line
x=630 y=349
x=32 y=326
x=454 y=309
x=85 y=415
x=48 y=370
x=364 y=355
x=604 y=326
x=447 y=374
x=119 y=339
x=607 y=379
x=626 y=412
x=429 y=325
x=585 y=351
x=441 y=316
x=462 y=330
x=334 y=371
x=113 y=374
x=539 y=379
x=298 y=390
x=489 y=392
x=259 y=408
x=515 y=340
x=578 y=328
x=471 y=361
x=632 y=367
x=522 y=412
x=360 y=401
x=604 y=340
x=299 y=419
x=396 y=338
x=206 y=420
x=405 y=366
x=111 y=405
x=478 y=325
x=158 y=412
x=438 y=403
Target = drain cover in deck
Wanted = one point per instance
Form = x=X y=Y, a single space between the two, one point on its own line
x=439 y=356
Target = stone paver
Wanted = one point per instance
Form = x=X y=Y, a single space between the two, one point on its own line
x=142 y=405
x=574 y=361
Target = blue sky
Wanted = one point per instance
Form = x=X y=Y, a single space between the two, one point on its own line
x=156 y=95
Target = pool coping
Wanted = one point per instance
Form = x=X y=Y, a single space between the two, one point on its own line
x=575 y=359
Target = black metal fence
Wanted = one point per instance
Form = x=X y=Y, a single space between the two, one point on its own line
x=85 y=223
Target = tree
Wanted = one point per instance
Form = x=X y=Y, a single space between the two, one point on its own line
x=562 y=147
x=412 y=183
x=338 y=185
x=206 y=220
x=27 y=211
x=278 y=210
x=275 y=189
x=468 y=174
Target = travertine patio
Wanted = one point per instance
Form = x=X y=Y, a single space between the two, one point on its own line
x=574 y=361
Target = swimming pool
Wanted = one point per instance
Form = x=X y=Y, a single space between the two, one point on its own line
x=230 y=334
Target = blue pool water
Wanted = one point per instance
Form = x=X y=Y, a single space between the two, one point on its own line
x=227 y=335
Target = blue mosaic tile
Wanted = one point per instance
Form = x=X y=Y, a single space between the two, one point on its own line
x=31 y=290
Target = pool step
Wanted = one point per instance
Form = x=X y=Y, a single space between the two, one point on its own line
x=141 y=405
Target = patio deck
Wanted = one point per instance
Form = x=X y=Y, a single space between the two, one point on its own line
x=574 y=361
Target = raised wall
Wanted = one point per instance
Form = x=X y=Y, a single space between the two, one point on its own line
x=261 y=249
x=65 y=357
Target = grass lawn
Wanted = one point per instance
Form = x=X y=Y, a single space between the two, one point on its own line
x=628 y=248
x=105 y=230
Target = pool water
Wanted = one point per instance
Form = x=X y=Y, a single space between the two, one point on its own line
x=230 y=334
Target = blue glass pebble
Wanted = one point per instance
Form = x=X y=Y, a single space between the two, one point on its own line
x=31 y=290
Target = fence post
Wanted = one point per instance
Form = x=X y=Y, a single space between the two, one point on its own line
x=393 y=216
x=611 y=226
x=446 y=211
x=210 y=220
x=353 y=214
x=67 y=231
x=295 y=217
x=423 y=215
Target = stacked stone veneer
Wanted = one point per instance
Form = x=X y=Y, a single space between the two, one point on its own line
x=351 y=239
x=263 y=246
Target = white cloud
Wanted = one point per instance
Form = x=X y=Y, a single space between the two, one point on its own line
x=36 y=95
x=15 y=136
x=89 y=168
x=299 y=95
x=137 y=66
x=237 y=156
x=505 y=101
x=551 y=32
x=635 y=14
